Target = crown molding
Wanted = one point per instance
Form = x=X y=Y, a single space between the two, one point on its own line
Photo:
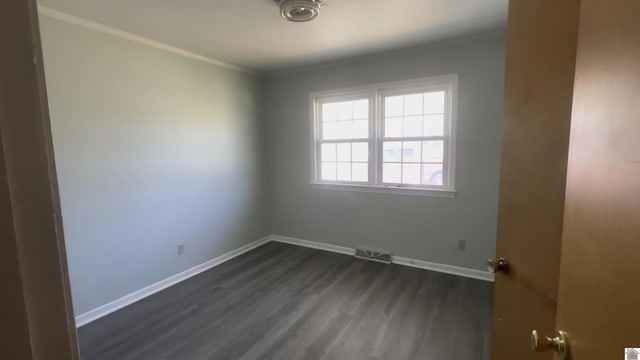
x=75 y=20
x=404 y=50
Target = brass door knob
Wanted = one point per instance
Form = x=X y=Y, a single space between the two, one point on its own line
x=545 y=343
x=496 y=266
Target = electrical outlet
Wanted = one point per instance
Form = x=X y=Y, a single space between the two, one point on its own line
x=462 y=245
x=180 y=249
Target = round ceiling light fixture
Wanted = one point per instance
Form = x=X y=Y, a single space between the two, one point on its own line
x=299 y=10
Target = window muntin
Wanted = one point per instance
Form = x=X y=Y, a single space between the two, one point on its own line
x=344 y=140
x=413 y=139
x=396 y=135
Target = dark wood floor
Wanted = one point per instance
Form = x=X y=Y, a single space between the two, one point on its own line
x=287 y=302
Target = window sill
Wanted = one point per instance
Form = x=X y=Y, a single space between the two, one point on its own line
x=386 y=190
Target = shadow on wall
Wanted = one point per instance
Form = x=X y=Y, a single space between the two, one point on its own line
x=153 y=150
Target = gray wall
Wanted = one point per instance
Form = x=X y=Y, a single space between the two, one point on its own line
x=153 y=149
x=424 y=228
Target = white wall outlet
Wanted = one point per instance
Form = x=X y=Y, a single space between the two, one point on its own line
x=180 y=249
x=462 y=245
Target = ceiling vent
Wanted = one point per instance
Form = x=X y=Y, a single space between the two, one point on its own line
x=299 y=10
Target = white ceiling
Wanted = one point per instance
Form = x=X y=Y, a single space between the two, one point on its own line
x=251 y=34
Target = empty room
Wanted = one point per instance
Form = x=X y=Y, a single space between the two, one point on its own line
x=320 y=179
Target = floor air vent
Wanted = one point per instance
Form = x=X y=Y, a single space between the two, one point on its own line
x=374 y=255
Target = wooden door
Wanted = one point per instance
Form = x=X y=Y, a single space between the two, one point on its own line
x=599 y=291
x=540 y=67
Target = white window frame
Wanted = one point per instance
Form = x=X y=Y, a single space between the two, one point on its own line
x=375 y=94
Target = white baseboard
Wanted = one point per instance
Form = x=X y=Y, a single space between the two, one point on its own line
x=138 y=295
x=443 y=268
x=421 y=264
x=129 y=299
x=312 y=244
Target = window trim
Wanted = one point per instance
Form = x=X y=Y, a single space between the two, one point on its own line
x=375 y=93
x=340 y=95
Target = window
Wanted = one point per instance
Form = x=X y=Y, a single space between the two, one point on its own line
x=395 y=137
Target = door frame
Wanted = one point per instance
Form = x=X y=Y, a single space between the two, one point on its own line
x=39 y=310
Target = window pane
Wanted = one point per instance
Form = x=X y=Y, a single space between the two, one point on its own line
x=328 y=152
x=328 y=171
x=433 y=125
x=393 y=127
x=432 y=174
x=361 y=109
x=392 y=151
x=433 y=151
x=434 y=102
x=345 y=162
x=329 y=130
x=413 y=137
x=360 y=129
x=391 y=173
x=338 y=120
x=344 y=152
x=344 y=129
x=413 y=104
x=423 y=114
x=360 y=172
x=411 y=151
x=345 y=110
x=344 y=172
x=412 y=126
x=411 y=173
x=393 y=106
x=329 y=112
x=360 y=152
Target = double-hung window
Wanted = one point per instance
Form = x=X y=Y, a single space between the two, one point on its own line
x=395 y=137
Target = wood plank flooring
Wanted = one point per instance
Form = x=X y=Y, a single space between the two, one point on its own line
x=287 y=302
